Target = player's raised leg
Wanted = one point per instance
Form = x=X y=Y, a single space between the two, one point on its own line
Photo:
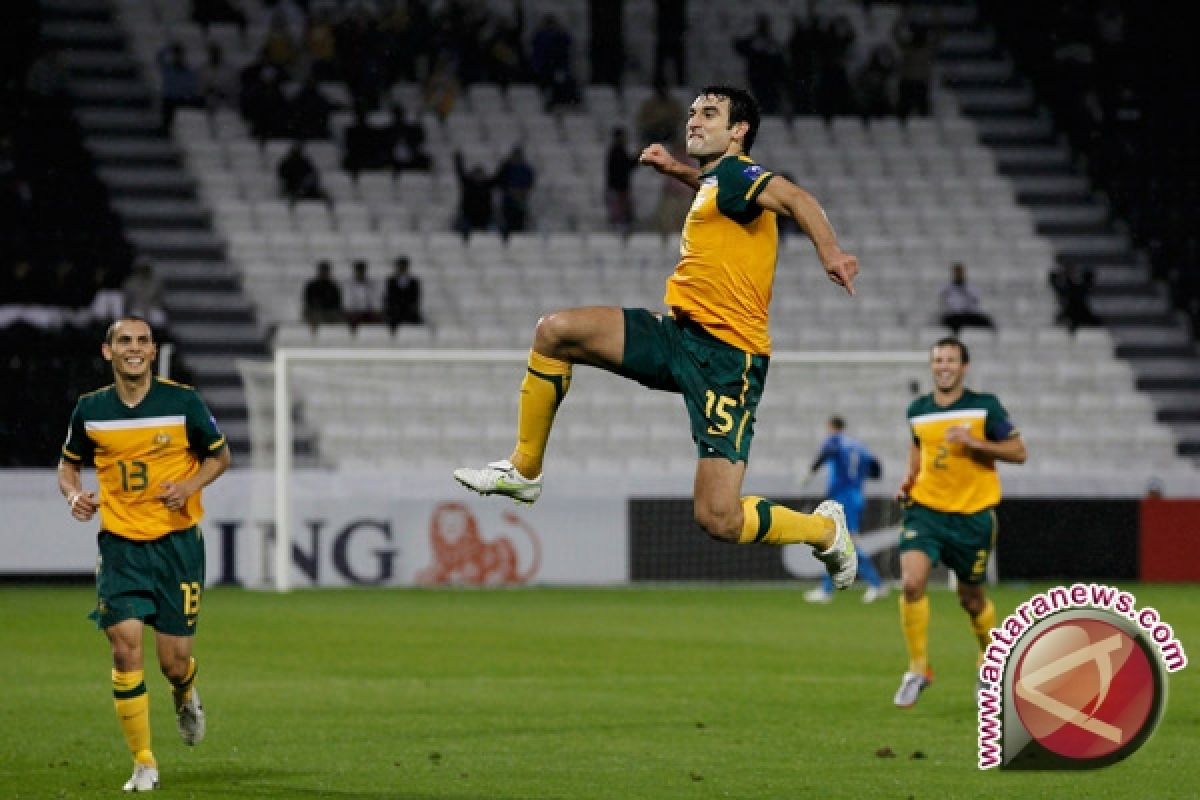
x=594 y=335
x=724 y=513
x=179 y=668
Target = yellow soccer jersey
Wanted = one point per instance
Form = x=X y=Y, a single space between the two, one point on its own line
x=726 y=269
x=162 y=438
x=950 y=479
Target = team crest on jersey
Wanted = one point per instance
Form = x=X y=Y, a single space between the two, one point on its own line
x=752 y=171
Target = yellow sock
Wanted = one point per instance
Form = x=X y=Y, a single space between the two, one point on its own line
x=133 y=713
x=982 y=624
x=914 y=622
x=182 y=689
x=764 y=522
x=542 y=390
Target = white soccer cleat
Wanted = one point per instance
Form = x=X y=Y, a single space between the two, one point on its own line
x=500 y=477
x=911 y=686
x=144 y=779
x=840 y=560
x=190 y=716
x=818 y=595
x=874 y=593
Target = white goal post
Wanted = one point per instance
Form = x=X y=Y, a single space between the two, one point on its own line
x=899 y=367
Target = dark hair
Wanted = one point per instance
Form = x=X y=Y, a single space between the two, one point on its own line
x=112 y=327
x=837 y=423
x=951 y=341
x=742 y=108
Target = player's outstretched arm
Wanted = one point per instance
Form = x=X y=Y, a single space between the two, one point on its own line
x=660 y=158
x=784 y=197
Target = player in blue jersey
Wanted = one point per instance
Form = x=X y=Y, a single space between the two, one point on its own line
x=850 y=465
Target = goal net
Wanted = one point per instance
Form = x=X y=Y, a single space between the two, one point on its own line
x=375 y=421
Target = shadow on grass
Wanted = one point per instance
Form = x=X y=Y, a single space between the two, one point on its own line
x=245 y=782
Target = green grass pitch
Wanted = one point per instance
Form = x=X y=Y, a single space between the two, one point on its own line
x=694 y=692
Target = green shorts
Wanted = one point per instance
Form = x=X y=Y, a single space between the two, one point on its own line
x=158 y=582
x=963 y=541
x=721 y=385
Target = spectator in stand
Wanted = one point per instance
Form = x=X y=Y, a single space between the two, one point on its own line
x=1072 y=286
x=407 y=139
x=550 y=59
x=474 y=199
x=206 y=12
x=408 y=29
x=366 y=146
x=835 y=44
x=308 y=113
x=299 y=179
x=218 y=81
x=362 y=298
x=658 y=118
x=402 y=296
x=670 y=25
x=261 y=98
x=320 y=46
x=918 y=51
x=766 y=67
x=180 y=85
x=279 y=46
x=618 y=167
x=361 y=47
x=323 y=298
x=960 y=304
x=143 y=295
x=803 y=48
x=873 y=87
x=503 y=56
x=441 y=88
x=514 y=179
x=606 y=45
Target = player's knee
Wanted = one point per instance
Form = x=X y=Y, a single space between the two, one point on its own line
x=552 y=331
x=972 y=604
x=913 y=589
x=719 y=522
x=175 y=667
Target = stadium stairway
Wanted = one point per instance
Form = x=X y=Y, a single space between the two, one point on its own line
x=210 y=318
x=1066 y=209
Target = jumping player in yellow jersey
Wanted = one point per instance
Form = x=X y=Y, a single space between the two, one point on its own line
x=155 y=446
x=711 y=346
x=950 y=492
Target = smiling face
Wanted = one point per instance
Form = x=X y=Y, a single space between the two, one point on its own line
x=130 y=348
x=948 y=369
x=709 y=134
